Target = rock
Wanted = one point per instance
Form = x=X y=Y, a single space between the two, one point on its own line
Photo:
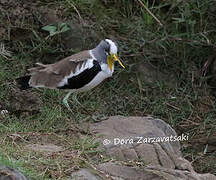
x=126 y=172
x=44 y=148
x=47 y=15
x=79 y=37
x=176 y=174
x=149 y=74
x=7 y=173
x=162 y=160
x=139 y=129
x=84 y=174
x=24 y=101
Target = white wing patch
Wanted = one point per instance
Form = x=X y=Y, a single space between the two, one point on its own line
x=91 y=54
x=79 y=69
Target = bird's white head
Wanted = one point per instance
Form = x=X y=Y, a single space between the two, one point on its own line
x=112 y=54
x=113 y=49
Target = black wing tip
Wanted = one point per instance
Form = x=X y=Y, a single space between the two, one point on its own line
x=23 y=82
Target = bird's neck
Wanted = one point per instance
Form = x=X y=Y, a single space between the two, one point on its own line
x=99 y=54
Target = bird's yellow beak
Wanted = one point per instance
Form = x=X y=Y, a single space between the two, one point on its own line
x=111 y=59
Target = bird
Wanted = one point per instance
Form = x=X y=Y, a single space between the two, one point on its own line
x=76 y=73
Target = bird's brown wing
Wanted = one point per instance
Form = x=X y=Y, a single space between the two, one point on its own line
x=51 y=75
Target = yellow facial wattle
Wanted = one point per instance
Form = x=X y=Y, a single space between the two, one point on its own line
x=111 y=59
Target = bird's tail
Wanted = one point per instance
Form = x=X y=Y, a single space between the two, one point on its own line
x=23 y=82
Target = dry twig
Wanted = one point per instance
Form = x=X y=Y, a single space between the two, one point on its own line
x=3 y=52
x=81 y=19
x=143 y=5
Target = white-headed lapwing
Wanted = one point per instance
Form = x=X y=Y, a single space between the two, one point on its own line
x=77 y=73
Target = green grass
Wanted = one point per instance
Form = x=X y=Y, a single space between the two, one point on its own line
x=18 y=165
x=182 y=98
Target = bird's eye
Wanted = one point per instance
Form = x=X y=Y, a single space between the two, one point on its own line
x=107 y=52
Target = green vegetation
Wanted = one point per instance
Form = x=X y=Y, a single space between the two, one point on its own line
x=53 y=30
x=18 y=166
x=182 y=93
